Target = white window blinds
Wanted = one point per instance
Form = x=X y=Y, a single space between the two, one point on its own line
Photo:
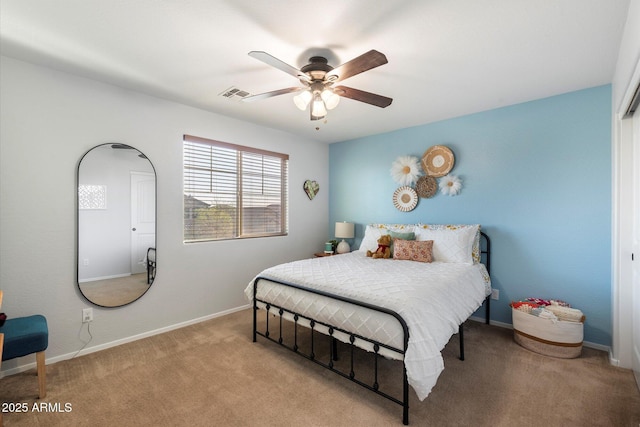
x=232 y=191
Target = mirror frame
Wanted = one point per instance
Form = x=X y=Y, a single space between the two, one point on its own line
x=78 y=237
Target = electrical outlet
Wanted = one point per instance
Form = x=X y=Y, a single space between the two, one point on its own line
x=87 y=315
x=495 y=294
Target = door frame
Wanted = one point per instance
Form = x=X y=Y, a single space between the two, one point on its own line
x=635 y=281
x=624 y=190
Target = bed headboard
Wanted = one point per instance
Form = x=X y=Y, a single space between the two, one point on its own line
x=485 y=250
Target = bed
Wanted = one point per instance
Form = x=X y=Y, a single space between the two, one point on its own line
x=151 y=265
x=401 y=308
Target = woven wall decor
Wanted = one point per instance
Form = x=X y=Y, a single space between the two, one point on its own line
x=427 y=186
x=405 y=199
x=438 y=161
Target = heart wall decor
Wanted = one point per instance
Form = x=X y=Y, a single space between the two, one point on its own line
x=311 y=188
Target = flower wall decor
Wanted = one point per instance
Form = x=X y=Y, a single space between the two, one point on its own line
x=450 y=185
x=405 y=170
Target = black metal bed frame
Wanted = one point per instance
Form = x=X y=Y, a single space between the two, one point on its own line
x=151 y=265
x=333 y=356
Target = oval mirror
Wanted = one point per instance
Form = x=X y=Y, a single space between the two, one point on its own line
x=116 y=225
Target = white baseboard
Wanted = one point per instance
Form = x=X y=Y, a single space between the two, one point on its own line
x=491 y=322
x=89 y=350
x=116 y=343
x=597 y=346
x=95 y=279
x=584 y=343
x=613 y=360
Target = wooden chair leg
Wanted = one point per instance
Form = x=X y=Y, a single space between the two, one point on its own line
x=42 y=374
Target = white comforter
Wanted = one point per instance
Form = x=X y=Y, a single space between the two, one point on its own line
x=433 y=299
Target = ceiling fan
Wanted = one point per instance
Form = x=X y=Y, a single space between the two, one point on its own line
x=318 y=79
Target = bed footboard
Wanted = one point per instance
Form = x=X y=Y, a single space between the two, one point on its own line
x=327 y=361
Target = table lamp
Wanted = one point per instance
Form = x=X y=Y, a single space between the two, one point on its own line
x=344 y=230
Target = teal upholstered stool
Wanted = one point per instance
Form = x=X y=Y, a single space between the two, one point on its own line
x=24 y=336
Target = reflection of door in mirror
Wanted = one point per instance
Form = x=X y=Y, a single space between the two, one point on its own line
x=143 y=219
x=116 y=224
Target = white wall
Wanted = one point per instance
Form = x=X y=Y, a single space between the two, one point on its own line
x=48 y=120
x=623 y=170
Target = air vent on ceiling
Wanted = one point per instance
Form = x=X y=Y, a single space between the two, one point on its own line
x=235 y=93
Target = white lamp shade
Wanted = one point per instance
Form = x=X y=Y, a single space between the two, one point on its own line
x=345 y=230
x=302 y=100
x=318 y=108
x=331 y=100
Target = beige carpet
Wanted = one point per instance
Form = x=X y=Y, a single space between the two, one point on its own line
x=212 y=374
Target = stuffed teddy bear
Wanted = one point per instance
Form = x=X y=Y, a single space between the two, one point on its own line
x=384 y=248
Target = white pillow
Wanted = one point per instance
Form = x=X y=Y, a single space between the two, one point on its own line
x=372 y=233
x=452 y=242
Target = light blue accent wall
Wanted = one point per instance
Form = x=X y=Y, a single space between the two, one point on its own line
x=536 y=175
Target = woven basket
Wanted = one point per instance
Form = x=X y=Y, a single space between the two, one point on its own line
x=426 y=187
x=560 y=339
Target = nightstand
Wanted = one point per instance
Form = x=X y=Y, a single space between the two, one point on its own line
x=322 y=254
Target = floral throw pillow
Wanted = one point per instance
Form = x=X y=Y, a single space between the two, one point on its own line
x=413 y=250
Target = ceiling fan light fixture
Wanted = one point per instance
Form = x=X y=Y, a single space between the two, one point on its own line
x=318 y=78
x=302 y=99
x=318 y=109
x=330 y=98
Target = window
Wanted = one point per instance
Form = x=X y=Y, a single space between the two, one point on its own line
x=231 y=191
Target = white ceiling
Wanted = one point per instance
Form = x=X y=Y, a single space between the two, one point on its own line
x=447 y=58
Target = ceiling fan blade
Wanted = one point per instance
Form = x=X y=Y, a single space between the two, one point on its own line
x=364 y=62
x=271 y=94
x=362 y=96
x=276 y=63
